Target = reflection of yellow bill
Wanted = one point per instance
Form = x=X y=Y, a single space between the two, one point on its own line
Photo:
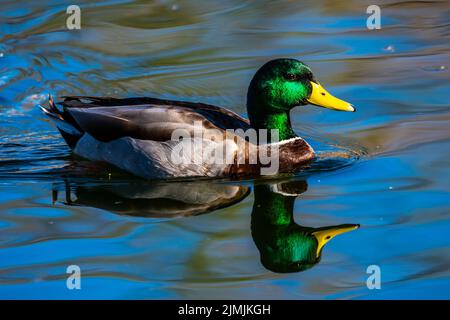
x=320 y=97
x=325 y=235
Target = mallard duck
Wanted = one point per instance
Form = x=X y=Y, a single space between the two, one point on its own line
x=137 y=134
x=284 y=245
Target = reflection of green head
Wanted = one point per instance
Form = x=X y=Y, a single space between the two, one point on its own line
x=288 y=249
x=285 y=246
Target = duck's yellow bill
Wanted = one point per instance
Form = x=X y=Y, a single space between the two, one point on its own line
x=326 y=234
x=320 y=97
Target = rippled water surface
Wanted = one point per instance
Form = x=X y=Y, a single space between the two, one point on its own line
x=384 y=167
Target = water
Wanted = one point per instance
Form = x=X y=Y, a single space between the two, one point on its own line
x=384 y=167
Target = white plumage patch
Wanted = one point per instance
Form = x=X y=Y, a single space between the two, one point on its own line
x=154 y=159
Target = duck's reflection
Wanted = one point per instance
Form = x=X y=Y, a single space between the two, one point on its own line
x=284 y=245
x=157 y=200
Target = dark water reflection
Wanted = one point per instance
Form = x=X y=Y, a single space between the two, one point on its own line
x=384 y=167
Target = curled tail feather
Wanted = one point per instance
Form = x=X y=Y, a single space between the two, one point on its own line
x=69 y=130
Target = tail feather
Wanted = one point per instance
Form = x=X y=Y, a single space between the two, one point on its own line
x=70 y=132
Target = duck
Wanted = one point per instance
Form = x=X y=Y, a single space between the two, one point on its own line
x=161 y=139
x=284 y=245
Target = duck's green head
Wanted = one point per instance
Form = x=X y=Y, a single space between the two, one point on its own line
x=298 y=248
x=282 y=84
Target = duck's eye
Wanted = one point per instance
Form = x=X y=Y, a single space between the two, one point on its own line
x=290 y=76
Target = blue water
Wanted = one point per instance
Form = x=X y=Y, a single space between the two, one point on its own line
x=384 y=167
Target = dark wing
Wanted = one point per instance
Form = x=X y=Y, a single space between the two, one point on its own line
x=108 y=119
